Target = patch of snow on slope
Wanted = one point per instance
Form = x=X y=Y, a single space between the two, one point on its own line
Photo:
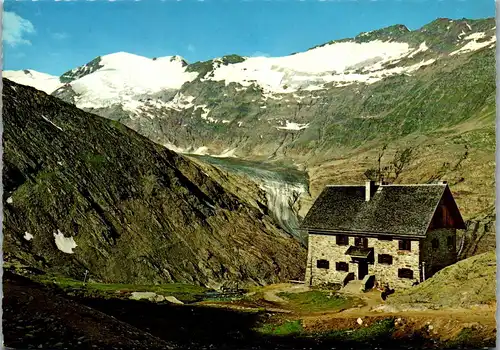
x=40 y=81
x=267 y=95
x=422 y=48
x=201 y=151
x=475 y=36
x=46 y=119
x=28 y=236
x=314 y=88
x=65 y=245
x=228 y=153
x=293 y=126
x=176 y=149
x=180 y=101
x=204 y=114
x=151 y=106
x=474 y=45
x=124 y=76
x=311 y=68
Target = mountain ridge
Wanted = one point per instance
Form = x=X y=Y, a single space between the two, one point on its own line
x=86 y=193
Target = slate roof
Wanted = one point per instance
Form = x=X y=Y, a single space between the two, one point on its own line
x=393 y=209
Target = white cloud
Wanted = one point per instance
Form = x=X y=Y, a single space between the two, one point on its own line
x=191 y=48
x=15 y=28
x=60 y=36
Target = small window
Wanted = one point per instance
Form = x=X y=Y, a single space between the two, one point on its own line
x=342 y=240
x=405 y=273
x=361 y=242
x=385 y=259
x=435 y=243
x=405 y=244
x=342 y=266
x=323 y=264
x=450 y=241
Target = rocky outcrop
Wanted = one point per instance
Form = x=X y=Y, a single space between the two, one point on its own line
x=466 y=284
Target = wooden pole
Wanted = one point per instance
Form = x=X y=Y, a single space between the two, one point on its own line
x=311 y=260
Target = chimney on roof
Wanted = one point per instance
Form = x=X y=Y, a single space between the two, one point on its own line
x=441 y=182
x=369 y=190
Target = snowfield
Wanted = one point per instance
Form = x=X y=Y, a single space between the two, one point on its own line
x=473 y=44
x=306 y=70
x=125 y=76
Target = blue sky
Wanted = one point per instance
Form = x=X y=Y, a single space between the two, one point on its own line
x=53 y=37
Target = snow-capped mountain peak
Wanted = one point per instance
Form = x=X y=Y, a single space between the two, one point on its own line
x=40 y=81
x=240 y=92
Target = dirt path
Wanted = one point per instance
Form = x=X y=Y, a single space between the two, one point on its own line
x=466 y=315
x=270 y=293
x=373 y=302
x=443 y=323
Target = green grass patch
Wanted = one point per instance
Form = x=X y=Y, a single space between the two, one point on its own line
x=183 y=292
x=379 y=331
x=286 y=328
x=318 y=300
x=94 y=160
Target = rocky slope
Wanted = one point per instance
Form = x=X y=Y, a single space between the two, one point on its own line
x=468 y=283
x=329 y=110
x=82 y=192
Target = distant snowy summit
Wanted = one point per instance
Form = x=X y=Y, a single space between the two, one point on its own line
x=40 y=81
x=230 y=103
x=112 y=79
x=125 y=79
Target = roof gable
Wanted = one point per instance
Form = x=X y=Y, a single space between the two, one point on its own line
x=393 y=209
x=447 y=214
